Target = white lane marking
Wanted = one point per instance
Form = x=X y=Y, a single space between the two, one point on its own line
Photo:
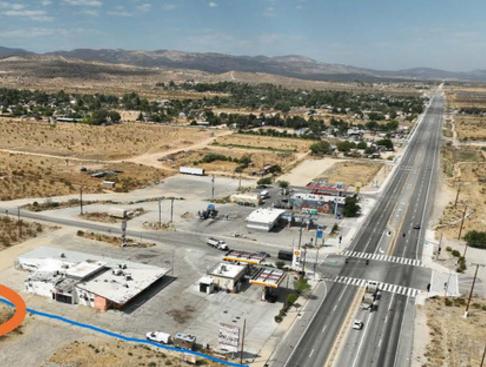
x=311 y=353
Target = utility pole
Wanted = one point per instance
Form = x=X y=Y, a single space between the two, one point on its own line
x=472 y=289
x=243 y=341
x=19 y=222
x=239 y=183
x=439 y=249
x=462 y=223
x=484 y=355
x=124 y=232
x=300 y=235
x=160 y=212
x=212 y=187
x=457 y=194
x=172 y=210
x=81 y=200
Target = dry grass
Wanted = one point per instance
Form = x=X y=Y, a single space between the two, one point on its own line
x=470 y=128
x=265 y=143
x=95 y=142
x=259 y=160
x=352 y=173
x=13 y=231
x=113 y=240
x=455 y=341
x=472 y=179
x=24 y=176
x=102 y=354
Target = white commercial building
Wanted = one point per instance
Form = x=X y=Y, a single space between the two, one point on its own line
x=96 y=281
x=264 y=218
x=228 y=276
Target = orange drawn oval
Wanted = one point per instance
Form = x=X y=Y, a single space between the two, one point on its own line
x=20 y=310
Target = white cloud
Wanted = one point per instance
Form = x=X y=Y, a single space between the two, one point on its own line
x=88 y=3
x=119 y=11
x=38 y=32
x=10 y=9
x=168 y=7
x=46 y=2
x=213 y=4
x=144 y=7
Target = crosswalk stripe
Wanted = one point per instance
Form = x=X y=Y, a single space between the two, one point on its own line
x=379 y=257
x=385 y=287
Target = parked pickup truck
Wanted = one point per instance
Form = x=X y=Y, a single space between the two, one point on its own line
x=219 y=244
x=158 y=337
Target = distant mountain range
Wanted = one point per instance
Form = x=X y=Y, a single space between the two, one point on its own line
x=290 y=66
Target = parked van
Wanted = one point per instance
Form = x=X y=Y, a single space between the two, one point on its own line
x=159 y=337
x=285 y=255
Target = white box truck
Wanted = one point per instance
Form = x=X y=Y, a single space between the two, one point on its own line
x=196 y=171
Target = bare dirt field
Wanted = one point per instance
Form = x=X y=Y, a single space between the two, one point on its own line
x=308 y=170
x=264 y=143
x=35 y=176
x=352 y=173
x=13 y=231
x=95 y=142
x=470 y=128
x=100 y=354
x=453 y=341
x=466 y=96
x=258 y=159
x=472 y=199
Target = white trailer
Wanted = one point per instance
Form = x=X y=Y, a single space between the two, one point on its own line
x=115 y=212
x=196 y=171
x=246 y=199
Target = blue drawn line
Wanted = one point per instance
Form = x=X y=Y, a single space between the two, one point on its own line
x=125 y=338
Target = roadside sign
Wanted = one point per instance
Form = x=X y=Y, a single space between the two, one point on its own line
x=319 y=233
x=229 y=337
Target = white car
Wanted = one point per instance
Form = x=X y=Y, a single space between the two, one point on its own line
x=357 y=324
x=158 y=337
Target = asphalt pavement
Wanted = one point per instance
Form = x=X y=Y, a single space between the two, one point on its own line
x=380 y=342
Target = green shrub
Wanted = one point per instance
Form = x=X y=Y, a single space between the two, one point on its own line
x=476 y=239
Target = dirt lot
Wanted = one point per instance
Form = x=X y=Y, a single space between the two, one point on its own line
x=453 y=341
x=470 y=128
x=265 y=143
x=13 y=232
x=472 y=198
x=466 y=96
x=258 y=160
x=95 y=142
x=34 y=176
x=101 y=354
x=352 y=173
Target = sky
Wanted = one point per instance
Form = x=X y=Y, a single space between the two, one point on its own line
x=379 y=34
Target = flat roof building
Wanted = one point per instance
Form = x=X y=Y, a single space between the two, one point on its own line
x=96 y=281
x=264 y=218
x=228 y=276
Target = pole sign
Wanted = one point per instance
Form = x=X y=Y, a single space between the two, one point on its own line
x=297 y=259
x=229 y=337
